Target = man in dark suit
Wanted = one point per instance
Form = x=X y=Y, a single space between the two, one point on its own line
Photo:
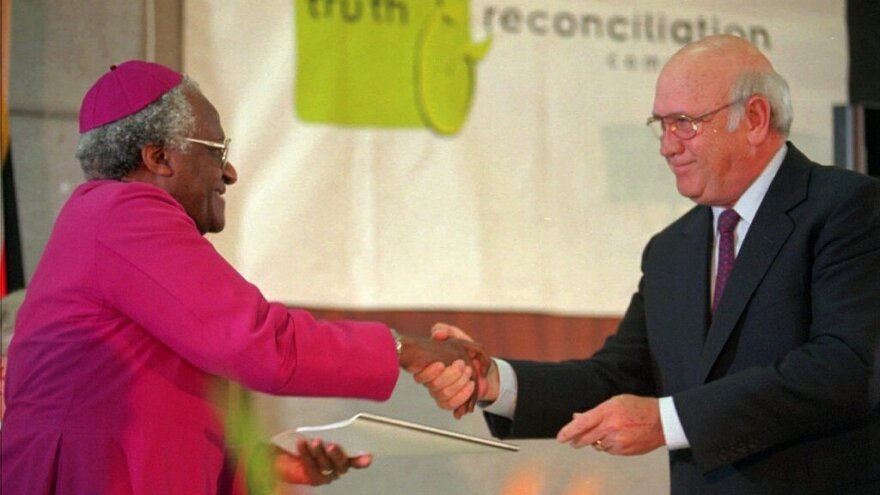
x=749 y=348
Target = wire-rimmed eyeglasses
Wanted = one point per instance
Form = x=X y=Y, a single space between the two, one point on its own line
x=683 y=126
x=223 y=147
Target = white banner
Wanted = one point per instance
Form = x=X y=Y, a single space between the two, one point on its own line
x=470 y=155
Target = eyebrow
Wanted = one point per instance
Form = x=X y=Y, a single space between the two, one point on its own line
x=673 y=114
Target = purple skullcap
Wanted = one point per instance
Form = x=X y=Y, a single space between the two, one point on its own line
x=125 y=90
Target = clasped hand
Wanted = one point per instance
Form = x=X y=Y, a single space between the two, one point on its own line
x=455 y=386
x=465 y=359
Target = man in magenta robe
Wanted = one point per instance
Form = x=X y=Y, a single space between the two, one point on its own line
x=132 y=315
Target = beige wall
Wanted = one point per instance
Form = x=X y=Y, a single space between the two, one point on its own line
x=58 y=49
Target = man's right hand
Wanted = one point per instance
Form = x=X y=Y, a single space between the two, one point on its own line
x=453 y=387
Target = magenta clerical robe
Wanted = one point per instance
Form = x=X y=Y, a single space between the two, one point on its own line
x=129 y=318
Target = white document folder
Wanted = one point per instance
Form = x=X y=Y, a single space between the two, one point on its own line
x=366 y=433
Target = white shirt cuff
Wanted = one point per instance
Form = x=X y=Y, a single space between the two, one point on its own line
x=672 y=429
x=505 y=404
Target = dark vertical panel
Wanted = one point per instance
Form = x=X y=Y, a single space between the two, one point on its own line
x=863 y=25
x=872 y=135
x=11 y=242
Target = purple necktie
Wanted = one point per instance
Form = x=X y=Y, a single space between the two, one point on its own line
x=726 y=252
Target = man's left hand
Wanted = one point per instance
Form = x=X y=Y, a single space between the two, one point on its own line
x=317 y=463
x=622 y=425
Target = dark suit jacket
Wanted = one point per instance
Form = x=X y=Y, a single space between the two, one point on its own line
x=775 y=391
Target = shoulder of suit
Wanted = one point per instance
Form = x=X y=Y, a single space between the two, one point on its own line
x=840 y=182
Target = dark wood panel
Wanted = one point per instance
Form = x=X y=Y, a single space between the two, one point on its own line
x=512 y=335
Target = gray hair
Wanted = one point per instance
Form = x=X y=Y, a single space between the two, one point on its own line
x=769 y=85
x=113 y=150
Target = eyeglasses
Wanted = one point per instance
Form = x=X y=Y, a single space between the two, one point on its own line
x=223 y=147
x=683 y=126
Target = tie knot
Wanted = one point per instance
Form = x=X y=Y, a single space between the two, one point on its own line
x=727 y=221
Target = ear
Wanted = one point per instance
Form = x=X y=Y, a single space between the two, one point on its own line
x=757 y=116
x=156 y=161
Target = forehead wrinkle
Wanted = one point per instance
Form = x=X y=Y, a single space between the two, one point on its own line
x=694 y=82
x=684 y=93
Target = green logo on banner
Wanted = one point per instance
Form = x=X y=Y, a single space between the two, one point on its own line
x=386 y=63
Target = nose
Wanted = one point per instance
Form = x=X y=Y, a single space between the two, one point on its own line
x=670 y=144
x=230 y=175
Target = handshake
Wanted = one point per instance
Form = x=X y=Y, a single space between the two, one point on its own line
x=456 y=370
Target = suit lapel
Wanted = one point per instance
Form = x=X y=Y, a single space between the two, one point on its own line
x=766 y=236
